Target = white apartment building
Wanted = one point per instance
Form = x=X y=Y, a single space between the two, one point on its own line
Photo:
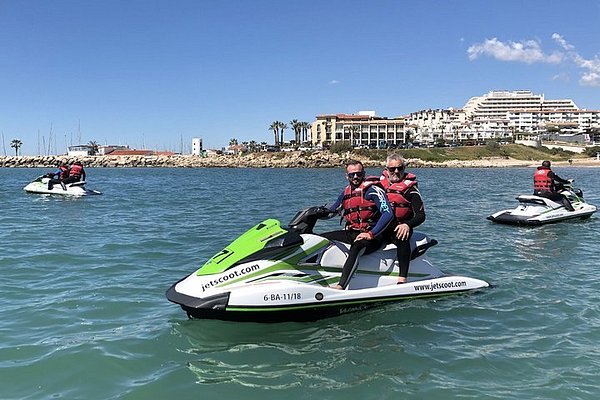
x=498 y=115
x=360 y=129
x=429 y=126
x=496 y=104
x=495 y=115
x=567 y=120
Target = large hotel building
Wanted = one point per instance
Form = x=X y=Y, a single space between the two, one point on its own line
x=495 y=115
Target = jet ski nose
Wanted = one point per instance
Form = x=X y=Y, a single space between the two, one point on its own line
x=196 y=306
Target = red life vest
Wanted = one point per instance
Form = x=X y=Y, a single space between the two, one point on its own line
x=76 y=170
x=360 y=213
x=64 y=172
x=396 y=195
x=541 y=181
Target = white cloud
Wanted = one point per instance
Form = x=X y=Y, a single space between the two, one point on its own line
x=590 y=74
x=562 y=77
x=528 y=51
x=560 y=40
x=333 y=82
x=590 y=79
x=531 y=52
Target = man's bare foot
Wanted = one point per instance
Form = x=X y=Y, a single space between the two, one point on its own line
x=401 y=280
x=338 y=287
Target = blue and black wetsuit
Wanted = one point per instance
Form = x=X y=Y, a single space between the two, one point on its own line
x=384 y=217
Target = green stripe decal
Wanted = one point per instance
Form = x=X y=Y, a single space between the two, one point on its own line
x=250 y=242
x=282 y=265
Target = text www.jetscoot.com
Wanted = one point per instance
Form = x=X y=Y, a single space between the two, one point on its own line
x=440 y=285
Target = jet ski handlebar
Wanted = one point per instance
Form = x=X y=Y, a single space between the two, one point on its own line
x=565 y=186
x=304 y=221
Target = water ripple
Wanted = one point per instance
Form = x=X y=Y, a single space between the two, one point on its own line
x=84 y=280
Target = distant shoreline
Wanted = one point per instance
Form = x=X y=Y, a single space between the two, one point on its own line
x=295 y=159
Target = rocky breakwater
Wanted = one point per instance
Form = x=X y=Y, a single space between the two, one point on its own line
x=254 y=160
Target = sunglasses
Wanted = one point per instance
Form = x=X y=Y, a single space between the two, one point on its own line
x=395 y=169
x=353 y=175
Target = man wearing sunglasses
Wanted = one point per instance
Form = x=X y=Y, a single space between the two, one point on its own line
x=403 y=194
x=367 y=212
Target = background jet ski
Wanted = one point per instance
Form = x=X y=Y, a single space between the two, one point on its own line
x=538 y=210
x=40 y=185
x=271 y=274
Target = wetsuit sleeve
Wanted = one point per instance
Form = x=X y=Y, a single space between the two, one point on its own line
x=417 y=206
x=557 y=178
x=376 y=194
x=338 y=203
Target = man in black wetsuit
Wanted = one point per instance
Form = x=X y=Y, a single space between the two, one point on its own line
x=367 y=213
x=403 y=194
x=545 y=185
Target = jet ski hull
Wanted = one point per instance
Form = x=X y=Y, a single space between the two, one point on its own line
x=309 y=304
x=537 y=210
x=295 y=284
x=508 y=217
x=271 y=274
x=40 y=186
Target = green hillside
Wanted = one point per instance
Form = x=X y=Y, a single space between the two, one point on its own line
x=464 y=153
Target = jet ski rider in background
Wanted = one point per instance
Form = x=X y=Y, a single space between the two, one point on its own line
x=403 y=194
x=545 y=185
x=367 y=212
x=61 y=174
x=76 y=174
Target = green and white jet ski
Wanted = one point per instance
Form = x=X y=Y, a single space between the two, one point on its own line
x=40 y=185
x=271 y=274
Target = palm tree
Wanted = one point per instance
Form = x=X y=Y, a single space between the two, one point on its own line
x=295 y=124
x=16 y=143
x=233 y=142
x=305 y=128
x=303 y=131
x=94 y=145
x=275 y=128
x=283 y=127
x=252 y=146
x=455 y=129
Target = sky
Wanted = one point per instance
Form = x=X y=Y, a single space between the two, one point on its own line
x=155 y=74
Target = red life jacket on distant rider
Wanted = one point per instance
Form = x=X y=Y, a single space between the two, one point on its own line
x=396 y=195
x=64 y=172
x=76 y=171
x=360 y=213
x=541 y=180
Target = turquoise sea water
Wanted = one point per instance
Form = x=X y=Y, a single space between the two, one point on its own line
x=83 y=313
